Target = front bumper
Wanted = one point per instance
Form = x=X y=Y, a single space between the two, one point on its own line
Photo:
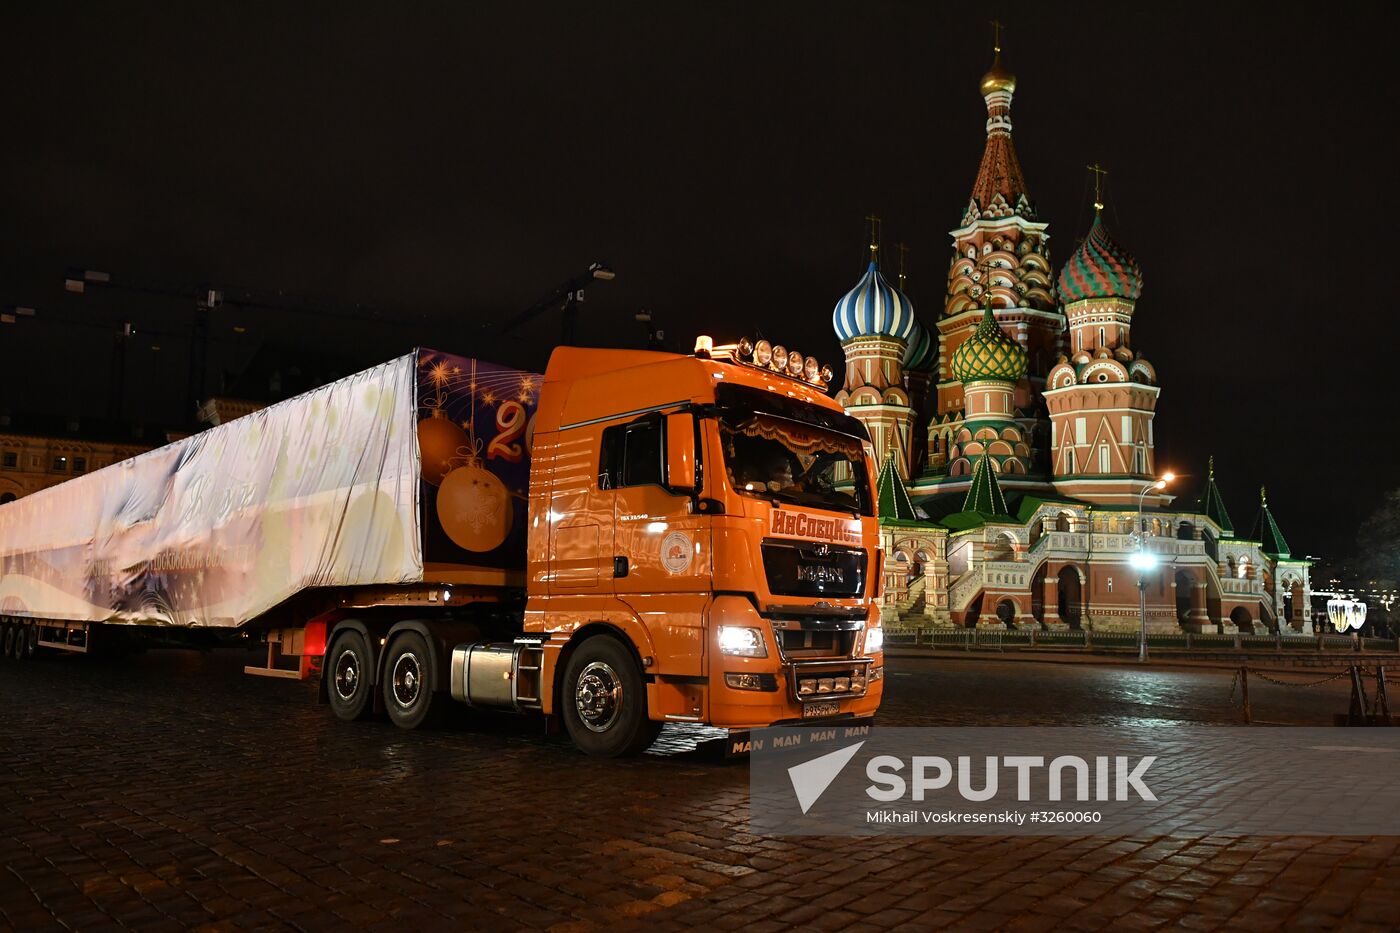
x=814 y=666
x=752 y=709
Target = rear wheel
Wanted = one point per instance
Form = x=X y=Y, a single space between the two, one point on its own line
x=604 y=700
x=20 y=651
x=408 y=681
x=347 y=676
x=8 y=649
x=31 y=640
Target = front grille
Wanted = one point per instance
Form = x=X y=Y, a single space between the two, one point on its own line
x=810 y=643
x=801 y=568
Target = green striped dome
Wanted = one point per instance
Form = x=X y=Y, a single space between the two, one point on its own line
x=989 y=354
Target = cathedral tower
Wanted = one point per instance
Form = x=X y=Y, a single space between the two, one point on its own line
x=1000 y=254
x=1102 y=394
x=989 y=365
x=876 y=326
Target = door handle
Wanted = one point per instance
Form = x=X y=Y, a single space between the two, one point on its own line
x=619 y=567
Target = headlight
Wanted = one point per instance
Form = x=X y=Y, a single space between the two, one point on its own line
x=874 y=640
x=742 y=641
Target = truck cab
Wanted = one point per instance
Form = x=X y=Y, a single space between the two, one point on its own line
x=702 y=545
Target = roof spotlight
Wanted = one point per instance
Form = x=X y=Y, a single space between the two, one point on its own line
x=763 y=353
x=745 y=347
x=795 y=363
x=827 y=374
x=812 y=369
x=780 y=357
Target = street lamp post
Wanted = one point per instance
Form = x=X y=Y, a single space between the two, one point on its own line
x=1144 y=560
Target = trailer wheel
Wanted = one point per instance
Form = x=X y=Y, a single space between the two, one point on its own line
x=8 y=649
x=604 y=700
x=408 y=681
x=25 y=642
x=347 y=676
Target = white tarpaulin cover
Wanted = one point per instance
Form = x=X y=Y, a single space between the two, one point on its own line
x=319 y=490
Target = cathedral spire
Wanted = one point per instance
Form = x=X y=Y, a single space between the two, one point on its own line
x=892 y=495
x=984 y=495
x=1266 y=530
x=1212 y=504
x=1000 y=188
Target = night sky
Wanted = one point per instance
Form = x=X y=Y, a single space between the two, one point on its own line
x=448 y=164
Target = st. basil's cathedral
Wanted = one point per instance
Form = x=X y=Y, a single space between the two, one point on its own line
x=1018 y=478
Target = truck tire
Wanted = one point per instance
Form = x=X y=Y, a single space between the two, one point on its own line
x=8 y=649
x=347 y=674
x=31 y=640
x=409 y=681
x=604 y=701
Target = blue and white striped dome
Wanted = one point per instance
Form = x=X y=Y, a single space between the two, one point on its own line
x=874 y=308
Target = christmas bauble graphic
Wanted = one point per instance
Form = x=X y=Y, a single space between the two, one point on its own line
x=438 y=441
x=474 y=508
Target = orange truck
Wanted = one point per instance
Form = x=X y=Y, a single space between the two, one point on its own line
x=633 y=538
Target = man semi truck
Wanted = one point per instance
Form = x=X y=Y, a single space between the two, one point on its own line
x=633 y=539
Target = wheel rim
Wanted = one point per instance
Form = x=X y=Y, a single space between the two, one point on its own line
x=347 y=675
x=408 y=679
x=598 y=696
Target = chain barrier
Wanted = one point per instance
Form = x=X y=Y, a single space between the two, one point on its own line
x=1289 y=683
x=1361 y=712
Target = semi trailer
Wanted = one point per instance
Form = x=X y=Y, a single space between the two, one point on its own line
x=629 y=539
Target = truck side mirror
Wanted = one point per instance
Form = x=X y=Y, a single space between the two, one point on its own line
x=680 y=452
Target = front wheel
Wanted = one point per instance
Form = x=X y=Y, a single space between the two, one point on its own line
x=604 y=700
x=347 y=676
x=408 y=681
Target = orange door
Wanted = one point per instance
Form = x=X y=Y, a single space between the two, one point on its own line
x=662 y=560
x=580 y=517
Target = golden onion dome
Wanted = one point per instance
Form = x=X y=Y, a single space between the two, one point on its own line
x=998 y=78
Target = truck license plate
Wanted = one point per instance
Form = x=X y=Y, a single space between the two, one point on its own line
x=812 y=710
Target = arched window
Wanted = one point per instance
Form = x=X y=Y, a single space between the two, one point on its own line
x=1002 y=547
x=1243 y=572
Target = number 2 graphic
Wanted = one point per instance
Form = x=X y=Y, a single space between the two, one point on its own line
x=510 y=421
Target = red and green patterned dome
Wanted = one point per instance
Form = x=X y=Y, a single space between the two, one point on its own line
x=1100 y=268
x=989 y=354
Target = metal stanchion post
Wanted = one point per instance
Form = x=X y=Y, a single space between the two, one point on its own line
x=1244 y=694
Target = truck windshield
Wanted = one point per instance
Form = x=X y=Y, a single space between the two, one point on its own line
x=773 y=458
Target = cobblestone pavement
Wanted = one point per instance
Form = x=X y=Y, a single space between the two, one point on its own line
x=169 y=791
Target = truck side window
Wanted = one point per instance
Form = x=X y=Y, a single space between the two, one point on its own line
x=631 y=455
